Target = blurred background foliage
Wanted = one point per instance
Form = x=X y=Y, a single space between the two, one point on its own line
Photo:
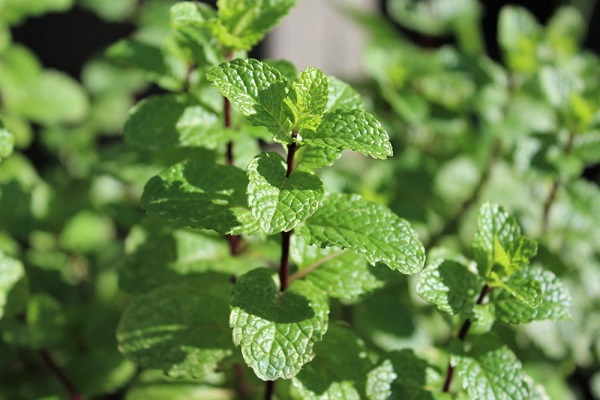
x=484 y=101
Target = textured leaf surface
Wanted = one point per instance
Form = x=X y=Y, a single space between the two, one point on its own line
x=311 y=89
x=312 y=157
x=450 y=286
x=243 y=23
x=499 y=248
x=355 y=130
x=528 y=291
x=178 y=328
x=554 y=302
x=258 y=90
x=338 y=370
x=369 y=229
x=173 y=121
x=279 y=203
x=276 y=332
x=401 y=375
x=491 y=372
x=200 y=194
x=6 y=142
x=11 y=272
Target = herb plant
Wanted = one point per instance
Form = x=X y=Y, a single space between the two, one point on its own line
x=278 y=250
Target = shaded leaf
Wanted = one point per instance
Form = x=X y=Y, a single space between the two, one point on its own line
x=11 y=272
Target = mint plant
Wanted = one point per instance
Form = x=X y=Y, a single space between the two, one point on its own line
x=257 y=231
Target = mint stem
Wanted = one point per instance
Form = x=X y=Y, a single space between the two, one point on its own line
x=462 y=335
x=284 y=266
x=243 y=392
x=60 y=375
x=234 y=240
x=270 y=390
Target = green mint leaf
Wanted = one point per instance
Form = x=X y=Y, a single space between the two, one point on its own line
x=366 y=228
x=243 y=23
x=499 y=248
x=559 y=85
x=450 y=286
x=311 y=157
x=287 y=69
x=355 y=130
x=172 y=328
x=519 y=35
x=342 y=95
x=565 y=30
x=258 y=91
x=11 y=272
x=586 y=147
x=201 y=195
x=528 y=291
x=311 y=89
x=164 y=121
x=7 y=142
x=279 y=203
x=401 y=375
x=491 y=371
x=338 y=369
x=553 y=304
x=45 y=323
x=340 y=274
x=188 y=22
x=276 y=331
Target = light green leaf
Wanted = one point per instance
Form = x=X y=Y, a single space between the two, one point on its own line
x=86 y=231
x=188 y=21
x=311 y=89
x=491 y=371
x=450 y=286
x=586 y=147
x=401 y=375
x=11 y=272
x=369 y=229
x=279 y=203
x=164 y=121
x=519 y=34
x=243 y=23
x=7 y=141
x=338 y=370
x=355 y=130
x=201 y=195
x=559 y=85
x=258 y=91
x=179 y=329
x=554 y=302
x=566 y=29
x=13 y=11
x=44 y=324
x=110 y=10
x=342 y=95
x=276 y=331
x=498 y=246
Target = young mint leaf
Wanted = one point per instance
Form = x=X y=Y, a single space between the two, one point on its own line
x=311 y=157
x=586 y=147
x=311 y=90
x=369 y=229
x=279 y=203
x=201 y=195
x=559 y=85
x=7 y=141
x=243 y=23
x=401 y=375
x=276 y=331
x=338 y=369
x=11 y=272
x=450 y=286
x=172 y=328
x=342 y=95
x=499 y=248
x=171 y=120
x=355 y=130
x=491 y=371
x=554 y=302
x=258 y=91
x=188 y=22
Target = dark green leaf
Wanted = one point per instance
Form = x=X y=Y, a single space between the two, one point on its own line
x=178 y=328
x=11 y=272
